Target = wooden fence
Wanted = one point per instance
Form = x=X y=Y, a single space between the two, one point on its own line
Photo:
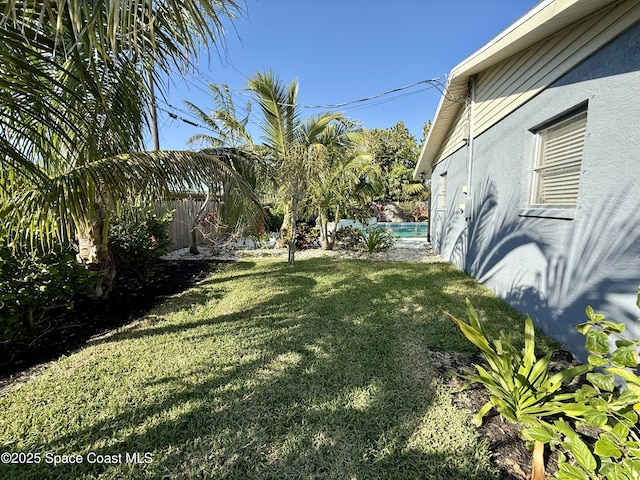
x=185 y=211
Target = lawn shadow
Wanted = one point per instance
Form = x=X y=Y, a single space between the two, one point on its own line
x=62 y=331
x=331 y=384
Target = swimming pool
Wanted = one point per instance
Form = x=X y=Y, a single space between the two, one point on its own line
x=405 y=229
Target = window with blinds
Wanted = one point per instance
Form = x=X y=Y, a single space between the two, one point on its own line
x=558 y=162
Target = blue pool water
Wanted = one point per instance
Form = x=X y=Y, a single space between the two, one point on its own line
x=405 y=229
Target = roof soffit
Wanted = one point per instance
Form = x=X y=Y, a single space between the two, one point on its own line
x=542 y=21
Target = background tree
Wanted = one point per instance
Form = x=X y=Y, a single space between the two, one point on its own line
x=396 y=152
x=74 y=96
x=425 y=133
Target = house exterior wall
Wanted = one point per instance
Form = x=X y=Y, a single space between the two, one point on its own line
x=506 y=86
x=553 y=263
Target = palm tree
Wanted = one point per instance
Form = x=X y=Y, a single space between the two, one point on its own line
x=228 y=139
x=73 y=102
x=345 y=182
x=294 y=146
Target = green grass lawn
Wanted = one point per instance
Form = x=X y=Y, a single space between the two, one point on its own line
x=320 y=370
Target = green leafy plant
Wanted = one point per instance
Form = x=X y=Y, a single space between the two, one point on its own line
x=370 y=239
x=520 y=386
x=306 y=237
x=34 y=282
x=377 y=239
x=348 y=237
x=614 y=451
x=138 y=238
x=273 y=221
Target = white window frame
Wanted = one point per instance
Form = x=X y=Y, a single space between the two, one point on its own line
x=558 y=161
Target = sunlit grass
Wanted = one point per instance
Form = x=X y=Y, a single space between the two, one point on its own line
x=320 y=370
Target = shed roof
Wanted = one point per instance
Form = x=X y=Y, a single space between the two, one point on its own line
x=545 y=19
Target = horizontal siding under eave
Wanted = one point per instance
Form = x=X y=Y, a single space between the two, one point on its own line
x=525 y=72
x=456 y=138
x=508 y=85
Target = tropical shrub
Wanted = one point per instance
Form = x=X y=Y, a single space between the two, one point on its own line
x=138 y=237
x=348 y=237
x=306 y=236
x=377 y=239
x=595 y=428
x=370 y=239
x=34 y=282
x=614 y=451
x=273 y=221
x=520 y=386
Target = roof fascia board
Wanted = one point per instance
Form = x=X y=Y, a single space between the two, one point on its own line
x=542 y=21
x=545 y=19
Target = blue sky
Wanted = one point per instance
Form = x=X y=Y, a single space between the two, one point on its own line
x=341 y=51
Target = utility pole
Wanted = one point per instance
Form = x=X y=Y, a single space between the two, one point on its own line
x=154 y=113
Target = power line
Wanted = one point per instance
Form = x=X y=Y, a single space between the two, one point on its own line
x=392 y=99
x=178 y=117
x=432 y=83
x=372 y=97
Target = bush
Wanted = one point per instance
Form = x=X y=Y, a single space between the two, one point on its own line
x=521 y=388
x=519 y=384
x=377 y=239
x=273 y=221
x=371 y=239
x=137 y=239
x=35 y=282
x=307 y=236
x=348 y=238
x=612 y=412
x=594 y=429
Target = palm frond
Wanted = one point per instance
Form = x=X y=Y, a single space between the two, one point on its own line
x=223 y=120
x=280 y=113
x=68 y=198
x=321 y=128
x=73 y=98
x=413 y=188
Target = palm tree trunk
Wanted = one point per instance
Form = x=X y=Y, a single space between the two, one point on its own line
x=94 y=251
x=324 y=232
x=285 y=227
x=336 y=220
x=537 y=464
x=292 y=238
x=193 y=249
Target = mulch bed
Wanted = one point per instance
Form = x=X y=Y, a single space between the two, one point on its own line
x=67 y=331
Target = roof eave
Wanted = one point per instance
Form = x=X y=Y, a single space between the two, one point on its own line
x=542 y=21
